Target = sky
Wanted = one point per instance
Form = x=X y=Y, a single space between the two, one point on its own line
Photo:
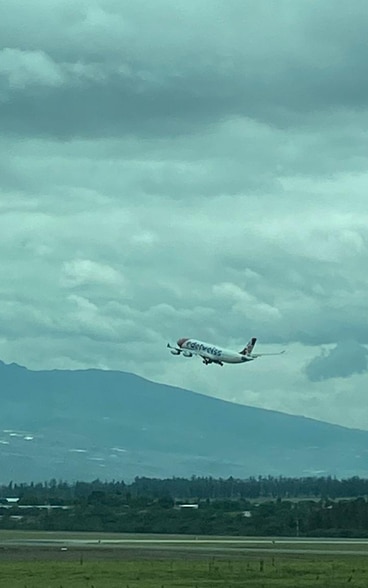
x=189 y=168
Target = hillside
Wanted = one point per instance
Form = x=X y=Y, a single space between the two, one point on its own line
x=90 y=424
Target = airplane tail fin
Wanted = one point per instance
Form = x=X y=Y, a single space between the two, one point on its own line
x=249 y=348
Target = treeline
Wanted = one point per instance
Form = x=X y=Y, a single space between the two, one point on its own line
x=263 y=506
x=194 y=488
x=100 y=511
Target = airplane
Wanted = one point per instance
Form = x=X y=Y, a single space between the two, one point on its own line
x=214 y=354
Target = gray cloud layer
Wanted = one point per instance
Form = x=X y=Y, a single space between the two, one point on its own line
x=118 y=68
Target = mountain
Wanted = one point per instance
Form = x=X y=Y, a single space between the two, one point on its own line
x=89 y=424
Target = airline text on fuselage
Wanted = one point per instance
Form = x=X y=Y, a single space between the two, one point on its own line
x=200 y=347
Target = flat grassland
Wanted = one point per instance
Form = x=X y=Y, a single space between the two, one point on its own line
x=45 y=560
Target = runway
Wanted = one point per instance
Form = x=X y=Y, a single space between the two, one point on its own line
x=161 y=546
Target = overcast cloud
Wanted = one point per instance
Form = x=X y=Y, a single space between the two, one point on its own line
x=190 y=168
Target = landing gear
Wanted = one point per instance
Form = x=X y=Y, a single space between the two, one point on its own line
x=208 y=361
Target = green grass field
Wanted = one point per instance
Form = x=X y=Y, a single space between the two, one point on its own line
x=59 y=560
x=281 y=572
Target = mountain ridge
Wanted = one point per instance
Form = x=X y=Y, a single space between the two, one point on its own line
x=85 y=424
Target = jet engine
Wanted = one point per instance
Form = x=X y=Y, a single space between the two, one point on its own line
x=175 y=352
x=187 y=354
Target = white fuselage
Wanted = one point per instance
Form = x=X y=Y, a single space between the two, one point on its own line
x=213 y=352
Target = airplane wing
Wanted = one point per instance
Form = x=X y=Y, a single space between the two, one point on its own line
x=186 y=352
x=174 y=350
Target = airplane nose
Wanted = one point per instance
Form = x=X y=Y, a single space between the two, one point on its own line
x=181 y=342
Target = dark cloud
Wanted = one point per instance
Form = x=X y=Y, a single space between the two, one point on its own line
x=79 y=84
x=344 y=360
x=117 y=105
